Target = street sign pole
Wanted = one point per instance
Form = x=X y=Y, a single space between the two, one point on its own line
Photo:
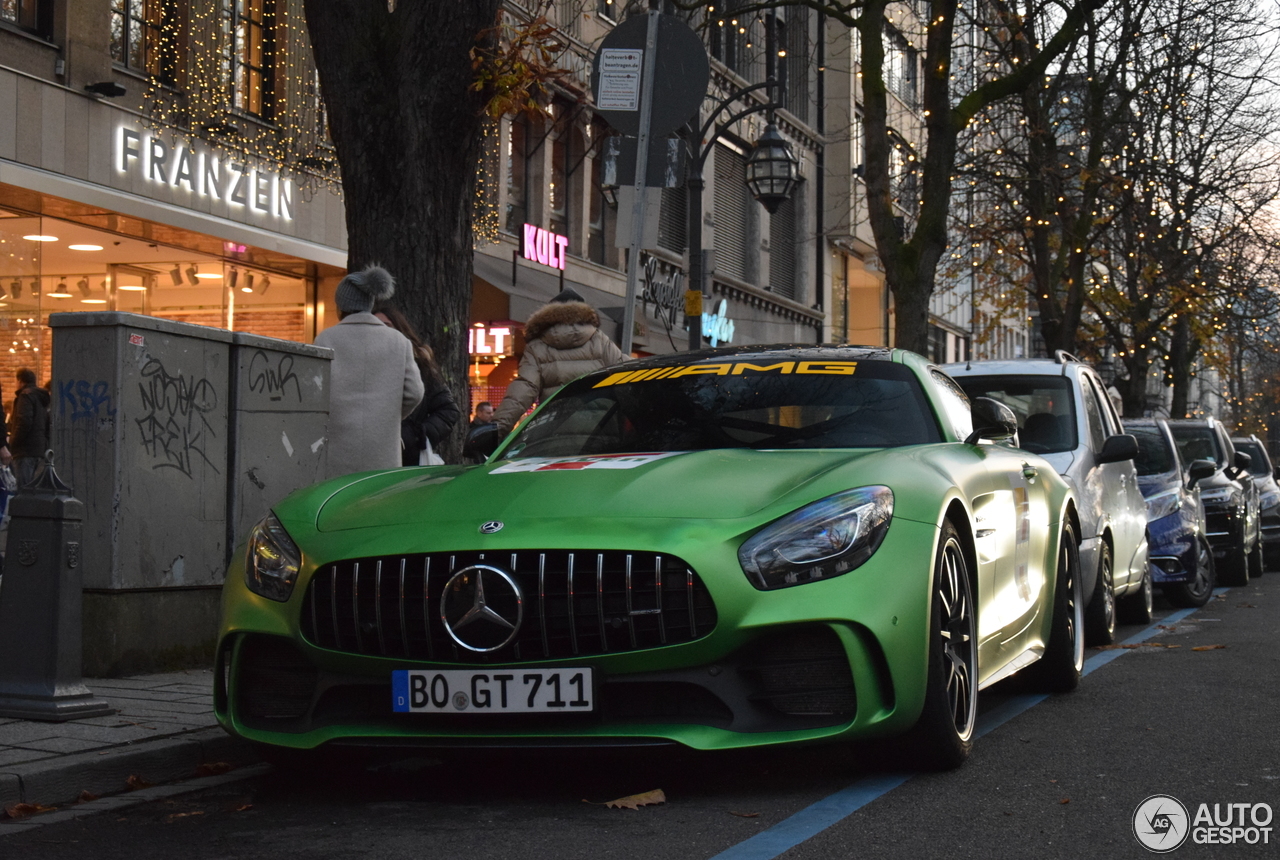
x=642 y=168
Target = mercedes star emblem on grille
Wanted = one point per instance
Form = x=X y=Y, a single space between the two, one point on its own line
x=482 y=608
x=491 y=527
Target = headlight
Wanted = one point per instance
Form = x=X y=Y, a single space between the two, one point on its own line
x=272 y=566
x=1217 y=494
x=1162 y=504
x=825 y=539
x=1269 y=500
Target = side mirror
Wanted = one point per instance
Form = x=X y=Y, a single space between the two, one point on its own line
x=1199 y=470
x=991 y=420
x=1276 y=473
x=1118 y=448
x=1242 y=461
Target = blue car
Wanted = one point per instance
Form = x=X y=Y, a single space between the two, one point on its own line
x=1180 y=555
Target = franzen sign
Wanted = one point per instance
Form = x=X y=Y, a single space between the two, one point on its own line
x=204 y=173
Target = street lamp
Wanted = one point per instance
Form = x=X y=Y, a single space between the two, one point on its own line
x=773 y=172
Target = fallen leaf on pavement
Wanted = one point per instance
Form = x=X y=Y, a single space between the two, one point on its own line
x=1053 y=780
x=1065 y=800
x=634 y=801
x=22 y=810
x=244 y=807
x=86 y=796
x=745 y=814
x=214 y=768
x=136 y=782
x=1245 y=606
x=1208 y=647
x=178 y=815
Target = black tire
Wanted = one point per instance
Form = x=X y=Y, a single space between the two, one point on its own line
x=943 y=736
x=1058 y=671
x=1197 y=592
x=1100 y=614
x=1136 y=607
x=1234 y=570
x=1255 y=560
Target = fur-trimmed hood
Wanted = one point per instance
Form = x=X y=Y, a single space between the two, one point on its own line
x=559 y=313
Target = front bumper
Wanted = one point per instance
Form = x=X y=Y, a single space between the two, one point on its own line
x=841 y=658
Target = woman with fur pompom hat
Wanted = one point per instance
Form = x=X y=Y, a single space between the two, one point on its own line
x=562 y=341
x=374 y=380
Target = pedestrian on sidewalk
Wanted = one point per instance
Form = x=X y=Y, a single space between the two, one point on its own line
x=28 y=427
x=375 y=382
x=428 y=426
x=563 y=340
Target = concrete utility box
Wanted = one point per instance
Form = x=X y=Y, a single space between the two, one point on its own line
x=144 y=422
x=279 y=426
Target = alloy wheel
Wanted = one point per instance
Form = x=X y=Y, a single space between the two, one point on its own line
x=959 y=644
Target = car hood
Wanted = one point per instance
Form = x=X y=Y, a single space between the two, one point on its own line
x=715 y=484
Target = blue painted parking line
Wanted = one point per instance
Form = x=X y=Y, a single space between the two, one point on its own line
x=817 y=817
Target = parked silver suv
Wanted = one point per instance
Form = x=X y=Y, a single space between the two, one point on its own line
x=1065 y=416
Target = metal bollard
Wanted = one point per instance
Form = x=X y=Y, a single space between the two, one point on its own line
x=40 y=606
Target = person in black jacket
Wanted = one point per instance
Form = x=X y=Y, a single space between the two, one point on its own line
x=28 y=427
x=434 y=418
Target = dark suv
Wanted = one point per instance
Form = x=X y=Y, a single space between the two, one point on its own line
x=1229 y=496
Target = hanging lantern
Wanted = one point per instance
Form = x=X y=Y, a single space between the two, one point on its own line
x=772 y=169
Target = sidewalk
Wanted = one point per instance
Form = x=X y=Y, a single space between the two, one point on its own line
x=163 y=730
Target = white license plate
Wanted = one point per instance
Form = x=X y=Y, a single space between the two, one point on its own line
x=492 y=691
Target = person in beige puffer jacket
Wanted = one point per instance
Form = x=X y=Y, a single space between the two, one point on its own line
x=562 y=341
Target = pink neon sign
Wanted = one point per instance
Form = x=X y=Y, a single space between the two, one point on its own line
x=545 y=247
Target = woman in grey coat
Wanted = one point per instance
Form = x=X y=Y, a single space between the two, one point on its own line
x=375 y=381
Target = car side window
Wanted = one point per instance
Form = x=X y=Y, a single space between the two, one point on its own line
x=1093 y=416
x=955 y=403
x=1113 y=425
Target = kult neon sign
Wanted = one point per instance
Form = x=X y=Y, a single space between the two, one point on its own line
x=483 y=340
x=545 y=247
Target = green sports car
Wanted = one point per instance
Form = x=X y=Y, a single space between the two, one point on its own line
x=727 y=548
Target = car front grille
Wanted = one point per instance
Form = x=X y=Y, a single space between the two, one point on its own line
x=576 y=603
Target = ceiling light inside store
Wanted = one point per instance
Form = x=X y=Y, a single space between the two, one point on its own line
x=209 y=276
x=93 y=301
x=83 y=286
x=175 y=275
x=264 y=286
x=61 y=292
x=15 y=289
x=191 y=276
x=85 y=247
x=235 y=276
x=39 y=237
x=133 y=288
x=248 y=283
x=35 y=287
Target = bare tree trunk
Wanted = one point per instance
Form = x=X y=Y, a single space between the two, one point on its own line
x=407 y=130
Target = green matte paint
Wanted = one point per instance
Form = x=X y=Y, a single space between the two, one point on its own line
x=699 y=506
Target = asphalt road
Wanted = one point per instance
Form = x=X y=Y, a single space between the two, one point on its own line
x=1061 y=779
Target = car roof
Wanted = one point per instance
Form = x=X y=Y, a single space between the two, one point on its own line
x=1062 y=364
x=780 y=352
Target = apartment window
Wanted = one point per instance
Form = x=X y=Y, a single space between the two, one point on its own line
x=731 y=37
x=795 y=66
x=33 y=15
x=673 y=220
x=732 y=202
x=517 y=174
x=782 y=250
x=609 y=8
x=249 y=55
x=900 y=62
x=139 y=40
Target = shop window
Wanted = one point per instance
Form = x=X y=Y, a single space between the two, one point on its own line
x=517 y=174
x=144 y=37
x=248 y=62
x=558 y=189
x=35 y=16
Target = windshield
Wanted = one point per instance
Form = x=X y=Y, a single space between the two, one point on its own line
x=736 y=403
x=1257 y=457
x=1155 y=457
x=1197 y=442
x=1044 y=405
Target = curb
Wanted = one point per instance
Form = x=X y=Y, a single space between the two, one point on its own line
x=61 y=779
